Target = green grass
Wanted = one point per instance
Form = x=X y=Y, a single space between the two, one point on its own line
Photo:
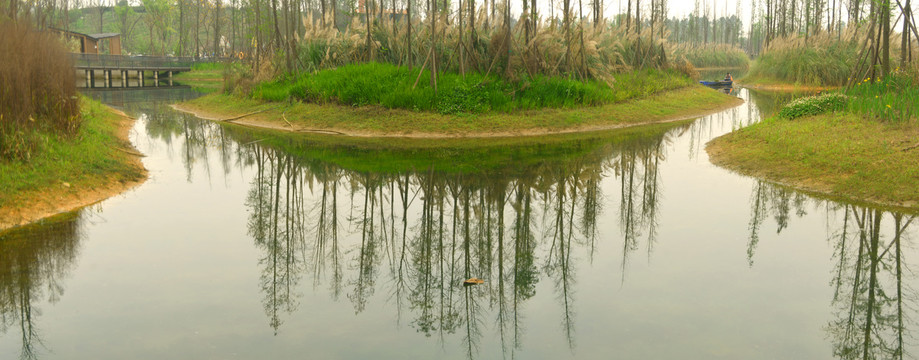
x=84 y=162
x=393 y=87
x=210 y=67
x=376 y=120
x=204 y=77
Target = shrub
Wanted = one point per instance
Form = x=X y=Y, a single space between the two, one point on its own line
x=813 y=105
x=37 y=90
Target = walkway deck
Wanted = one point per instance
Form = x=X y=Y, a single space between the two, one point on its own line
x=124 y=66
x=132 y=63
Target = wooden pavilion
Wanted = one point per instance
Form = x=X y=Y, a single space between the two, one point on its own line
x=91 y=43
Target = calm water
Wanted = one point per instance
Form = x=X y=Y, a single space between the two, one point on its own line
x=248 y=245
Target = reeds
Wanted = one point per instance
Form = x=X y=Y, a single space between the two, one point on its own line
x=586 y=51
x=821 y=60
x=712 y=55
x=37 y=90
x=825 y=59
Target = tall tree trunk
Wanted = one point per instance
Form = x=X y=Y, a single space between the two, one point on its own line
x=507 y=35
x=334 y=6
x=408 y=30
x=182 y=33
x=628 y=16
x=462 y=55
x=885 y=37
x=277 y=29
x=638 y=16
x=472 y=34
x=368 y=16
x=905 y=43
x=567 y=19
x=526 y=26
x=581 y=30
x=433 y=20
x=233 y=13
x=217 y=5
x=197 y=27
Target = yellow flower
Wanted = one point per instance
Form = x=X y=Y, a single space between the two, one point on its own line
x=888 y=106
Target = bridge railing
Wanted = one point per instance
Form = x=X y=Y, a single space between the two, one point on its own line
x=100 y=61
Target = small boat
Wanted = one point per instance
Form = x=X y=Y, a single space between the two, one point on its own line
x=473 y=281
x=717 y=84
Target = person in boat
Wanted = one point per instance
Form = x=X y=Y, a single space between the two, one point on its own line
x=728 y=78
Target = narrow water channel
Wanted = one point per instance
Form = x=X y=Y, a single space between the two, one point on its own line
x=630 y=245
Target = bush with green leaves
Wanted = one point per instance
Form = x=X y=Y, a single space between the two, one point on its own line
x=813 y=105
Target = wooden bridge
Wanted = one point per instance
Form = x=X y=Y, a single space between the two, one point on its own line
x=125 y=66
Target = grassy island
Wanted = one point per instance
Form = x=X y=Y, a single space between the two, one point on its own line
x=384 y=100
x=859 y=144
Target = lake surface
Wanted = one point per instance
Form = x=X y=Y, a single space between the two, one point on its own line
x=249 y=245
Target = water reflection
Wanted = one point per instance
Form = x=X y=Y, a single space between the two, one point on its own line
x=871 y=297
x=417 y=229
x=34 y=262
x=422 y=230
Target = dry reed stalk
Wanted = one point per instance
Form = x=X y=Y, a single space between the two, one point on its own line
x=37 y=89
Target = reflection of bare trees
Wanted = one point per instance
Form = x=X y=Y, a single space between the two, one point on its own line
x=421 y=231
x=638 y=166
x=277 y=224
x=869 y=286
x=870 y=296
x=770 y=199
x=33 y=264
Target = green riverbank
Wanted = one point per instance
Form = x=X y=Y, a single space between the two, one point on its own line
x=96 y=163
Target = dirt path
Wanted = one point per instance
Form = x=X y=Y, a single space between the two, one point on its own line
x=266 y=119
x=63 y=198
